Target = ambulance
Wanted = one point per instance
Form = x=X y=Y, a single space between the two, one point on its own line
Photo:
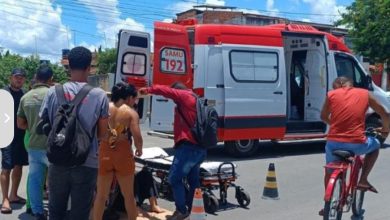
x=266 y=82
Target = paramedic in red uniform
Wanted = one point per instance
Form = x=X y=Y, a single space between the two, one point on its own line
x=345 y=111
x=188 y=154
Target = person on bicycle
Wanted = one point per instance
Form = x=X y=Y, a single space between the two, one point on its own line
x=345 y=110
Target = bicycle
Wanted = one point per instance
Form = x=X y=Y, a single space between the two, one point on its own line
x=341 y=192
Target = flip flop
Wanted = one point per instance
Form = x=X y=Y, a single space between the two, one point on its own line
x=5 y=210
x=368 y=187
x=18 y=201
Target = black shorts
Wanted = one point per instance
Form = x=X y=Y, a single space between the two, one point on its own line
x=13 y=155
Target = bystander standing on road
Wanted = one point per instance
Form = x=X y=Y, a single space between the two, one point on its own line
x=77 y=182
x=345 y=110
x=27 y=118
x=116 y=157
x=14 y=157
x=188 y=154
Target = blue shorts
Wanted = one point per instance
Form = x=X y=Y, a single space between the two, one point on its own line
x=371 y=145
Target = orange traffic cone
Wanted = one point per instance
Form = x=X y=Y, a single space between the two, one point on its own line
x=197 y=210
x=271 y=187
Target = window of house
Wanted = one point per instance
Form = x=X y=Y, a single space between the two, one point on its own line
x=134 y=64
x=254 y=66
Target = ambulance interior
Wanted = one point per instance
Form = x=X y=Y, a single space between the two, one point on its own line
x=306 y=83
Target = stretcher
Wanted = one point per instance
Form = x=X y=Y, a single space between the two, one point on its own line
x=213 y=176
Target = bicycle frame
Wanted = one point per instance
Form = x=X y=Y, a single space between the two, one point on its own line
x=342 y=169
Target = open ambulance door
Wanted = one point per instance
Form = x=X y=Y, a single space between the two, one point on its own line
x=133 y=64
x=172 y=63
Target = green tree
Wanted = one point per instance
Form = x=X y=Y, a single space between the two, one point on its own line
x=106 y=61
x=369 y=27
x=9 y=61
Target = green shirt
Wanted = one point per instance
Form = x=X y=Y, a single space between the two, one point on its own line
x=29 y=107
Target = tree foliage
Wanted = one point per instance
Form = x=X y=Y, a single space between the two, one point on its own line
x=369 y=26
x=106 y=60
x=9 y=61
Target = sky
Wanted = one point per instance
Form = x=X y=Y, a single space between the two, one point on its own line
x=45 y=27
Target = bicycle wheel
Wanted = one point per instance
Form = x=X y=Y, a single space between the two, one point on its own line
x=332 y=209
x=357 y=202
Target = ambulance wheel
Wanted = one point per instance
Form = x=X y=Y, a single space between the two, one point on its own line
x=241 y=148
x=211 y=203
x=243 y=199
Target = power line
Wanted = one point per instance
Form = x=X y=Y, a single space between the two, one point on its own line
x=73 y=16
x=59 y=28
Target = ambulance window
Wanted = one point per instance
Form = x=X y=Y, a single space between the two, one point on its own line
x=136 y=41
x=134 y=64
x=247 y=66
x=191 y=39
x=347 y=66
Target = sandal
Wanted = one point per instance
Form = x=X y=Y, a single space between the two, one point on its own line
x=368 y=187
x=18 y=201
x=6 y=210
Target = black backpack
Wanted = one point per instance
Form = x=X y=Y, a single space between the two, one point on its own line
x=206 y=124
x=68 y=142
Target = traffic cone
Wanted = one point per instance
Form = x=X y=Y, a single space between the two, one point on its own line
x=271 y=188
x=197 y=211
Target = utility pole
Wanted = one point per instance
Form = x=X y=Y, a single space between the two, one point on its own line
x=36 y=49
x=74 y=38
x=105 y=39
x=67 y=35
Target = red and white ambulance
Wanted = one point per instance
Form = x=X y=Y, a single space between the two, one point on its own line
x=266 y=82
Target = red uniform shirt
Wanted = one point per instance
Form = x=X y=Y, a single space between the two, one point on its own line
x=185 y=100
x=348 y=107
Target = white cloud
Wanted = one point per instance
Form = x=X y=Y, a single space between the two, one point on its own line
x=270 y=7
x=215 y=2
x=181 y=7
x=168 y=20
x=249 y=11
x=108 y=20
x=33 y=26
x=325 y=7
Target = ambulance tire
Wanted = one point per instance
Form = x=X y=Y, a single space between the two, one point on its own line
x=241 y=148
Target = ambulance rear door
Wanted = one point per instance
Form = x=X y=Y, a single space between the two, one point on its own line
x=133 y=64
x=172 y=63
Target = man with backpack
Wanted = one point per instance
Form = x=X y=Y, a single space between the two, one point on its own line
x=189 y=153
x=77 y=116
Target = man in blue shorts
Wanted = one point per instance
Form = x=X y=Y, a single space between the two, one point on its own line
x=345 y=110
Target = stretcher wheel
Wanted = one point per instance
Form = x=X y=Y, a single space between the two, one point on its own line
x=243 y=198
x=211 y=203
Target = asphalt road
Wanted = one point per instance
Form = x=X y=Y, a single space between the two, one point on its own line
x=299 y=175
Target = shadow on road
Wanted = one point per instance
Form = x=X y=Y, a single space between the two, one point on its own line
x=267 y=150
